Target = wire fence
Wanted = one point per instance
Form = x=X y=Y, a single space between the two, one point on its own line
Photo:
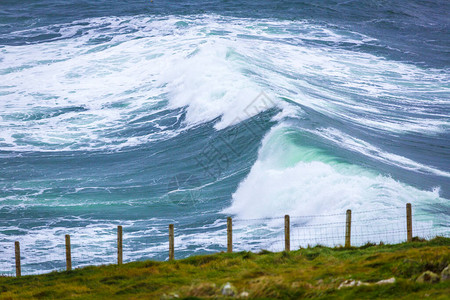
x=387 y=226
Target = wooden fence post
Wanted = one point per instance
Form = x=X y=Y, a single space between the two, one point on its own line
x=119 y=245
x=17 y=252
x=68 y=254
x=287 y=237
x=408 y=222
x=229 y=235
x=348 y=227
x=171 y=243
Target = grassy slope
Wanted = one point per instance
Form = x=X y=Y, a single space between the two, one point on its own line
x=313 y=272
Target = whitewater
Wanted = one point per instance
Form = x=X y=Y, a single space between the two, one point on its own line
x=144 y=120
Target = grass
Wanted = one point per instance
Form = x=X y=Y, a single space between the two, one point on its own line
x=313 y=272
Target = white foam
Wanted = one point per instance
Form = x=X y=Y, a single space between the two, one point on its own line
x=290 y=178
x=348 y=142
x=215 y=66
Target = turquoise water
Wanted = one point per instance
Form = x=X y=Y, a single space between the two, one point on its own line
x=141 y=115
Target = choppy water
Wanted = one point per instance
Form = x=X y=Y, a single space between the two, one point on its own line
x=143 y=114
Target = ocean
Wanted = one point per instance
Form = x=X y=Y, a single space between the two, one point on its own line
x=142 y=114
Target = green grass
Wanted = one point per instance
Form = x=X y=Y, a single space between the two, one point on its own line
x=306 y=273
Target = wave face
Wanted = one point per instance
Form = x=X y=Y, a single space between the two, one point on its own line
x=147 y=114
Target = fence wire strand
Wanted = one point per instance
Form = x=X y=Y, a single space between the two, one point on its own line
x=251 y=234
